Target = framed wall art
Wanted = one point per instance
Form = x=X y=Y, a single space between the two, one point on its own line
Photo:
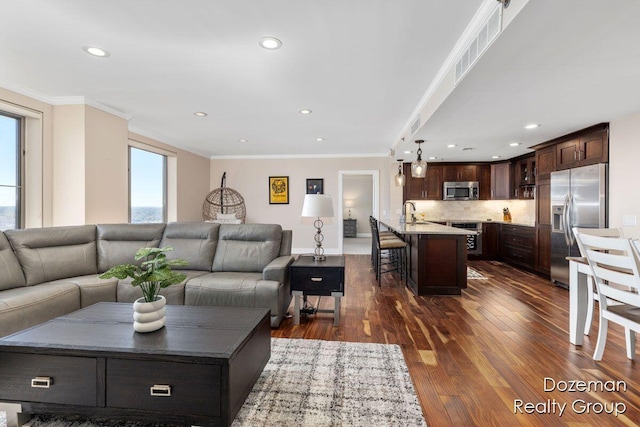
x=278 y=190
x=315 y=186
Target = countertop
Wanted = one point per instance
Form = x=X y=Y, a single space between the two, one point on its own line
x=424 y=228
x=520 y=224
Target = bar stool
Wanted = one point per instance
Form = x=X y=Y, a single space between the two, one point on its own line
x=389 y=252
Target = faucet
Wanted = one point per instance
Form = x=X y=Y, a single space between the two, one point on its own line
x=403 y=218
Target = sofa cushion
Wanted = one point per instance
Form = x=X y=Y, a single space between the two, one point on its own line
x=24 y=307
x=11 y=275
x=231 y=289
x=92 y=288
x=194 y=242
x=52 y=253
x=174 y=293
x=118 y=243
x=247 y=247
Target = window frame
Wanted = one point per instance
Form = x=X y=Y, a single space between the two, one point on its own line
x=20 y=168
x=164 y=182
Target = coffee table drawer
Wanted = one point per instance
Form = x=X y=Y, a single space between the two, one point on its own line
x=177 y=388
x=48 y=379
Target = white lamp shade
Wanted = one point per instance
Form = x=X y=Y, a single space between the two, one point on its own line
x=317 y=205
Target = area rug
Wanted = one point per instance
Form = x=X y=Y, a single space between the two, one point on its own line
x=473 y=274
x=317 y=383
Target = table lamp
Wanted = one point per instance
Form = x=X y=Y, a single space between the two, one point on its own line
x=349 y=204
x=316 y=206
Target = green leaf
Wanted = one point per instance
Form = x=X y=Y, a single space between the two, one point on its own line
x=153 y=274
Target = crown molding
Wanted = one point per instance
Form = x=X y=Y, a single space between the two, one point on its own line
x=63 y=100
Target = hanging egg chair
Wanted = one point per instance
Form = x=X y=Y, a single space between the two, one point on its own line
x=223 y=204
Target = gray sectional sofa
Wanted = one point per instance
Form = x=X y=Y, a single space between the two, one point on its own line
x=48 y=272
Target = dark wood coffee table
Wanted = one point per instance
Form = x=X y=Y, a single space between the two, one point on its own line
x=198 y=369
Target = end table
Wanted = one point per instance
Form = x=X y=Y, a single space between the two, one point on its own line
x=317 y=278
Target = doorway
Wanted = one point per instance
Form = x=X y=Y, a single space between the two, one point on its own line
x=357 y=200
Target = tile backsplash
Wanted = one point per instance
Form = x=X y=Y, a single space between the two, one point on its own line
x=522 y=211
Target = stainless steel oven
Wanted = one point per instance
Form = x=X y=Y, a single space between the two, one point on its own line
x=474 y=241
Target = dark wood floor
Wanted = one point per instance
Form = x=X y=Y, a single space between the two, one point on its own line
x=473 y=357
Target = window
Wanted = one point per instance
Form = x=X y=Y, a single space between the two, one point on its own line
x=10 y=172
x=147 y=186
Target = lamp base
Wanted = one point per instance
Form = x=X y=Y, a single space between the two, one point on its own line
x=319 y=258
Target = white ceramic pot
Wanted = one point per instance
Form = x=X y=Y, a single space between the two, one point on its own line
x=149 y=316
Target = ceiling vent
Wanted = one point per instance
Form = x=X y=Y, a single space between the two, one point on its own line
x=415 y=125
x=488 y=32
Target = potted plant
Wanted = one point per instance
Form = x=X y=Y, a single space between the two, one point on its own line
x=153 y=274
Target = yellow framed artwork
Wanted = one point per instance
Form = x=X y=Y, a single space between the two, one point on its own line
x=278 y=190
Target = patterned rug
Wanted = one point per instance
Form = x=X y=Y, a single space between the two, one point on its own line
x=317 y=383
x=473 y=274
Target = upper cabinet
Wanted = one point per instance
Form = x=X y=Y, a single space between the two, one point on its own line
x=583 y=150
x=500 y=181
x=428 y=188
x=460 y=172
x=523 y=177
x=545 y=163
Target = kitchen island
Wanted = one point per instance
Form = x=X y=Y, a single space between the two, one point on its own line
x=436 y=256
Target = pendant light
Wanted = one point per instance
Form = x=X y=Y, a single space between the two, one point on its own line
x=400 y=178
x=419 y=167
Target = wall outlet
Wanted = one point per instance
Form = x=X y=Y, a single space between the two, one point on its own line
x=629 y=220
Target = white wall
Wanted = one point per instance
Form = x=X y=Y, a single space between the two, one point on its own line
x=624 y=172
x=250 y=178
x=69 y=165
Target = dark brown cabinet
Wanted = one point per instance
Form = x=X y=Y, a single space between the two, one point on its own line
x=545 y=163
x=484 y=178
x=500 y=182
x=517 y=245
x=461 y=172
x=490 y=240
x=588 y=149
x=543 y=249
x=427 y=188
x=524 y=177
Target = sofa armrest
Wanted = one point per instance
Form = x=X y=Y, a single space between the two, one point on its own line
x=278 y=269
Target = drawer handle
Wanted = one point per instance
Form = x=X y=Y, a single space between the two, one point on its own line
x=41 y=382
x=316 y=279
x=160 y=390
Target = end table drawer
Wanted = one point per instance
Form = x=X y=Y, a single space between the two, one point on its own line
x=178 y=388
x=48 y=379
x=318 y=281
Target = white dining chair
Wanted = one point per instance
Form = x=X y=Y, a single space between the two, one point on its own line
x=614 y=267
x=592 y=296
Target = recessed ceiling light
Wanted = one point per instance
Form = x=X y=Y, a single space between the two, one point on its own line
x=243 y=140
x=495 y=157
x=200 y=114
x=305 y=111
x=319 y=139
x=270 y=43
x=532 y=126
x=432 y=158
x=408 y=152
x=96 y=51
x=514 y=144
x=451 y=145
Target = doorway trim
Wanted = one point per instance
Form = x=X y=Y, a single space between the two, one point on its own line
x=375 y=179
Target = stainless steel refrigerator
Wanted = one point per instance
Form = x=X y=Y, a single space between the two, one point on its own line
x=578 y=199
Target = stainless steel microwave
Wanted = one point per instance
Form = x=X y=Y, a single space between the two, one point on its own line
x=460 y=190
